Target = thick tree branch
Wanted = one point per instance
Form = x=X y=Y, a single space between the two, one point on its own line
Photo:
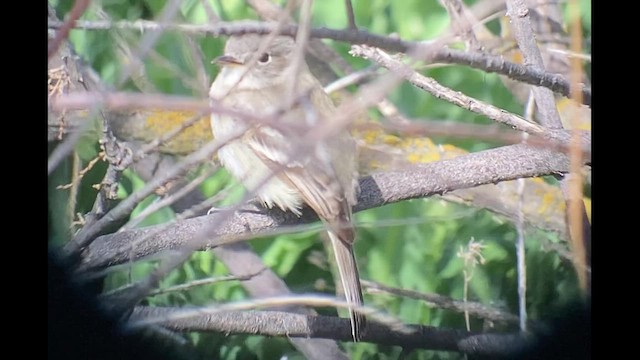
x=124 y=208
x=518 y=13
x=490 y=166
x=258 y=279
x=523 y=31
x=277 y=323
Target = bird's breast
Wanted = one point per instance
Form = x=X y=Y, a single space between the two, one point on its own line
x=245 y=165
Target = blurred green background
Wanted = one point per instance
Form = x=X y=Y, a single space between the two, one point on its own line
x=412 y=245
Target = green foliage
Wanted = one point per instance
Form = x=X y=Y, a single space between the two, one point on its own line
x=411 y=245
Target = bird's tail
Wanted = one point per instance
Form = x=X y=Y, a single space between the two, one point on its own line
x=350 y=278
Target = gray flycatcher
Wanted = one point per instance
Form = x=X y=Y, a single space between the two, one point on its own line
x=272 y=160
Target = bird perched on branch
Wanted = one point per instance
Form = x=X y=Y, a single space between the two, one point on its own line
x=280 y=159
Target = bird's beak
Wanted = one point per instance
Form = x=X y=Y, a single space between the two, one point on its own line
x=225 y=60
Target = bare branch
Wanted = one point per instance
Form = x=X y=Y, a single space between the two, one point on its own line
x=353 y=78
x=488 y=63
x=78 y=9
x=87 y=234
x=119 y=157
x=168 y=200
x=460 y=23
x=243 y=263
x=463 y=101
x=493 y=133
x=279 y=302
x=519 y=17
x=490 y=166
x=201 y=282
x=520 y=259
x=577 y=219
x=66 y=147
x=150 y=38
x=302 y=38
x=532 y=76
x=268 y=10
x=277 y=323
x=476 y=309
x=350 y=15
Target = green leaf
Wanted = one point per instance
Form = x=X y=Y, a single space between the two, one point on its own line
x=285 y=251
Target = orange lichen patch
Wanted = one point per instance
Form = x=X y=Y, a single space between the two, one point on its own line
x=420 y=150
x=516 y=56
x=450 y=151
x=381 y=150
x=191 y=138
x=376 y=136
x=165 y=121
x=551 y=201
x=572 y=113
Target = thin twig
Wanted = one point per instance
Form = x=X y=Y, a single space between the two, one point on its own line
x=150 y=38
x=73 y=193
x=570 y=54
x=532 y=76
x=520 y=258
x=63 y=149
x=212 y=17
x=492 y=133
x=476 y=309
x=302 y=38
x=350 y=15
x=197 y=56
x=483 y=62
x=268 y=10
x=201 y=282
x=118 y=157
x=521 y=265
x=578 y=222
x=571 y=186
x=461 y=100
x=203 y=206
x=77 y=10
x=80 y=173
x=137 y=101
x=125 y=207
x=442 y=92
x=166 y=201
x=353 y=78
x=461 y=25
x=172 y=68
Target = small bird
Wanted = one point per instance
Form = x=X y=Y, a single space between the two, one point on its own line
x=272 y=160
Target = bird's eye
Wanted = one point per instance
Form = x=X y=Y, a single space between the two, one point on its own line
x=264 y=58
